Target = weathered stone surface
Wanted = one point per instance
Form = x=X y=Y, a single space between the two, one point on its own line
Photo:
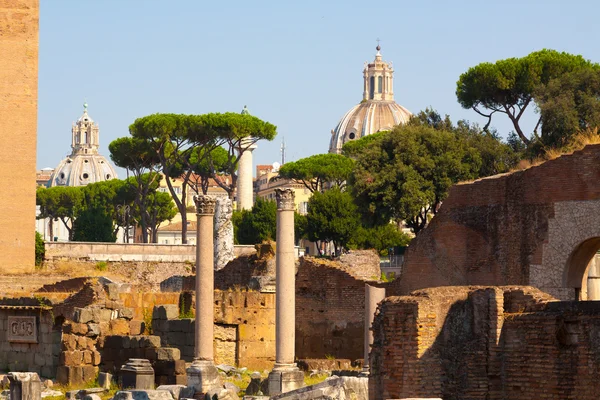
x=143 y=395
x=283 y=381
x=25 y=386
x=91 y=396
x=93 y=330
x=119 y=327
x=137 y=374
x=178 y=391
x=165 y=312
x=104 y=380
x=223 y=226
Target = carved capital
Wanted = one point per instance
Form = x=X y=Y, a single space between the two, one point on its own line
x=205 y=204
x=285 y=199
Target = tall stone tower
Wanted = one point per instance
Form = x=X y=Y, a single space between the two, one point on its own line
x=245 y=191
x=19 y=39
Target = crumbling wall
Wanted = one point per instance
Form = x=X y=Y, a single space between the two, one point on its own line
x=244 y=328
x=485 y=343
x=40 y=355
x=330 y=305
x=512 y=229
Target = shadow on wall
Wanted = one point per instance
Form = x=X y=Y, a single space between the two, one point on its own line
x=484 y=343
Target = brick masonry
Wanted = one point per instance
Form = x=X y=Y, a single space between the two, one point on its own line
x=19 y=26
x=537 y=227
x=485 y=343
x=330 y=307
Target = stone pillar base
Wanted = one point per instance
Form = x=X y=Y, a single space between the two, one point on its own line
x=203 y=376
x=284 y=378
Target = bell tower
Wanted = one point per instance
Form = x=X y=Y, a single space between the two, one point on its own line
x=378 y=80
x=85 y=135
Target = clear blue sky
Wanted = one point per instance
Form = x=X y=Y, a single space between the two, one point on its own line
x=296 y=64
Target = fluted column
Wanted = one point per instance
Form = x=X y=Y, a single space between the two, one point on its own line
x=202 y=374
x=373 y=295
x=285 y=375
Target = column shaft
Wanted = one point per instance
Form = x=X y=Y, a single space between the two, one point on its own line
x=373 y=295
x=286 y=288
x=204 y=288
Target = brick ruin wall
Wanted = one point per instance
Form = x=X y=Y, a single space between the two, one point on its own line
x=19 y=33
x=514 y=229
x=330 y=307
x=485 y=343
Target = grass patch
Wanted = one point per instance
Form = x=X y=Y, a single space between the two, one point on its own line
x=101 y=266
x=313 y=379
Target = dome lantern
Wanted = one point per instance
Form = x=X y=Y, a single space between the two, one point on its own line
x=376 y=112
x=85 y=164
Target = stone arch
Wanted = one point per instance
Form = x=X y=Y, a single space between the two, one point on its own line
x=572 y=240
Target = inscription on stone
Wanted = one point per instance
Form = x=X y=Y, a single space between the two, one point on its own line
x=22 y=330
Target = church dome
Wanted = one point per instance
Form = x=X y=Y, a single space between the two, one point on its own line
x=84 y=165
x=376 y=112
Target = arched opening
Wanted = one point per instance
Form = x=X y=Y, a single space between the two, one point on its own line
x=372 y=87
x=582 y=272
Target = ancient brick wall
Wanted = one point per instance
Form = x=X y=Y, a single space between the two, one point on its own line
x=330 y=306
x=514 y=229
x=19 y=26
x=244 y=328
x=41 y=357
x=485 y=343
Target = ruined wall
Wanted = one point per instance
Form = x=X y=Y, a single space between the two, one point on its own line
x=41 y=357
x=485 y=343
x=150 y=252
x=330 y=306
x=19 y=27
x=244 y=329
x=520 y=228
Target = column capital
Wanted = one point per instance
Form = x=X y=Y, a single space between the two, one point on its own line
x=205 y=204
x=285 y=199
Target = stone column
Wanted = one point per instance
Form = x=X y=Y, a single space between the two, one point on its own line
x=285 y=375
x=202 y=374
x=373 y=295
x=245 y=189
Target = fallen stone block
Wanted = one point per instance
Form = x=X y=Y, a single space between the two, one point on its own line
x=91 y=396
x=104 y=380
x=51 y=393
x=143 y=395
x=178 y=391
x=137 y=374
x=25 y=386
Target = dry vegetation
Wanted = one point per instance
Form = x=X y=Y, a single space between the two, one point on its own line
x=577 y=142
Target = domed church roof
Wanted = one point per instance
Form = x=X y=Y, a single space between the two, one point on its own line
x=84 y=165
x=376 y=112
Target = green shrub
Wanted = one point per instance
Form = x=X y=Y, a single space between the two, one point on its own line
x=101 y=265
x=40 y=250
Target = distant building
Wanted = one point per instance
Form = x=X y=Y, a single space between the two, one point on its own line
x=376 y=112
x=267 y=180
x=85 y=164
x=170 y=231
x=42 y=177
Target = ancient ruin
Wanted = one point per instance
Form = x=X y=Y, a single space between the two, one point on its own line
x=535 y=227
